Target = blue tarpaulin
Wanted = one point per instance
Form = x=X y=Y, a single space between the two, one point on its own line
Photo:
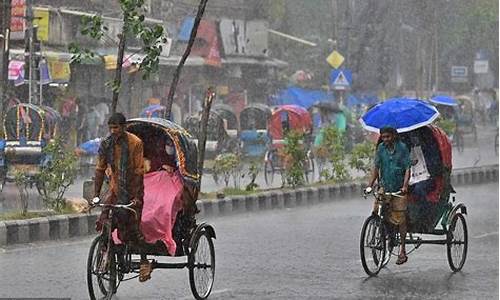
x=302 y=97
x=186 y=28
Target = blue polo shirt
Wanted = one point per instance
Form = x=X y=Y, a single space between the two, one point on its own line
x=392 y=165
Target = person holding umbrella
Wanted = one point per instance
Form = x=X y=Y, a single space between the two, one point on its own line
x=392 y=168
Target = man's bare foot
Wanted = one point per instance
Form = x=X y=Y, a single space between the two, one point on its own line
x=402 y=258
x=145 y=271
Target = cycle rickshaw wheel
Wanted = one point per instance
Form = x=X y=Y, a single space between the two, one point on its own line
x=309 y=168
x=99 y=275
x=268 y=170
x=457 y=242
x=201 y=265
x=372 y=245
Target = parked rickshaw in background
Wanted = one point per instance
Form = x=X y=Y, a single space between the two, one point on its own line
x=218 y=139
x=27 y=129
x=111 y=261
x=434 y=216
x=465 y=121
x=325 y=115
x=283 y=119
x=52 y=122
x=230 y=119
x=254 y=135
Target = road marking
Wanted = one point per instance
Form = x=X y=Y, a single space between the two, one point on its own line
x=485 y=235
x=212 y=293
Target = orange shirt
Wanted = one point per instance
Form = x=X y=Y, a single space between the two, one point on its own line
x=135 y=168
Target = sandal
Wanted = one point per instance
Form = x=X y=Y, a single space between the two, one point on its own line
x=401 y=259
x=145 y=271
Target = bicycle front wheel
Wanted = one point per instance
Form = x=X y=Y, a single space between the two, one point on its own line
x=372 y=245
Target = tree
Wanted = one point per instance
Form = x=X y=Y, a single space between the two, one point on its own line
x=133 y=26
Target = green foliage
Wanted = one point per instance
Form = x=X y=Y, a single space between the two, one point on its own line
x=295 y=156
x=362 y=156
x=447 y=125
x=152 y=37
x=253 y=172
x=23 y=181
x=334 y=144
x=227 y=165
x=58 y=174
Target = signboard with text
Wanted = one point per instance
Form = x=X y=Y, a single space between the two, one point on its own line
x=459 y=74
x=17 y=20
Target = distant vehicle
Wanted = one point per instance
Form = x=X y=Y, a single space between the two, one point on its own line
x=27 y=130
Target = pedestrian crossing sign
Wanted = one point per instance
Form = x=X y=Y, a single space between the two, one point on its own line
x=341 y=79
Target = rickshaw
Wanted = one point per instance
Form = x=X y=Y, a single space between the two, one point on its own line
x=110 y=263
x=325 y=114
x=230 y=119
x=380 y=240
x=27 y=129
x=218 y=140
x=283 y=119
x=465 y=121
x=52 y=122
x=254 y=138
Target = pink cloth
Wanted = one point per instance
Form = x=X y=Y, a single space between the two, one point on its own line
x=162 y=202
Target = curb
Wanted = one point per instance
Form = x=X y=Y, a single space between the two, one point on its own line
x=68 y=226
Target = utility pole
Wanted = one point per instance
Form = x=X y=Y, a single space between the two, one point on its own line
x=30 y=55
x=436 y=49
x=5 y=13
x=334 y=17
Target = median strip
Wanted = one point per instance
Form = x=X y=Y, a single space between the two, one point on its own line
x=66 y=226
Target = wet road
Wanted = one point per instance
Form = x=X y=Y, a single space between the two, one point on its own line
x=301 y=253
x=475 y=154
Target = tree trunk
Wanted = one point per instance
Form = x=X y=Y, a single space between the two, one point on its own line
x=207 y=104
x=118 y=73
x=177 y=74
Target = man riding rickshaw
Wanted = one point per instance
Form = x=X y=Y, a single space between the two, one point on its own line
x=150 y=209
x=413 y=167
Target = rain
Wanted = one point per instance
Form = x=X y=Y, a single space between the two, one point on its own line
x=290 y=143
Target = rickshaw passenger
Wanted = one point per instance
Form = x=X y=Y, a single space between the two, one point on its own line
x=162 y=194
x=426 y=166
x=392 y=167
x=120 y=156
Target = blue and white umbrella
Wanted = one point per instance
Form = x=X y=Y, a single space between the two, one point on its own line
x=403 y=114
x=444 y=100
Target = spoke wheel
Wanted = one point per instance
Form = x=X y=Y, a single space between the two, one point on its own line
x=372 y=245
x=202 y=265
x=457 y=242
x=309 y=169
x=268 y=170
x=101 y=270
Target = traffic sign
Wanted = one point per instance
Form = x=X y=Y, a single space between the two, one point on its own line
x=481 y=66
x=335 y=59
x=341 y=79
x=458 y=71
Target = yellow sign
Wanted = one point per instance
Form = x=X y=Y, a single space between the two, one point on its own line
x=110 y=62
x=58 y=70
x=335 y=59
x=222 y=90
x=42 y=21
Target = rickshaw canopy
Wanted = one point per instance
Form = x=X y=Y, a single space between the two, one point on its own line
x=296 y=117
x=255 y=116
x=24 y=121
x=186 y=150
x=226 y=112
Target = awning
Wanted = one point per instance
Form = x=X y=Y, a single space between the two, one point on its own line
x=173 y=60
x=245 y=60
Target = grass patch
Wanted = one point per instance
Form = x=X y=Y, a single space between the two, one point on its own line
x=17 y=215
